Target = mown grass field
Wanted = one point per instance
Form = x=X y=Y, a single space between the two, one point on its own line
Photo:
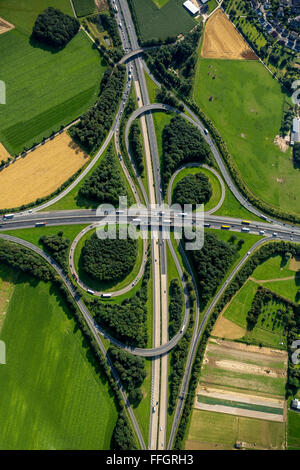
x=170 y=19
x=84 y=7
x=51 y=395
x=45 y=88
x=209 y=430
x=293 y=430
x=245 y=103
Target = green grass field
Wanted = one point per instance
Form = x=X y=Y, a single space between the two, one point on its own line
x=84 y=7
x=170 y=19
x=246 y=107
x=218 y=430
x=293 y=430
x=51 y=395
x=45 y=89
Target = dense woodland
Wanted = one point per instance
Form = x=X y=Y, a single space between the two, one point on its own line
x=105 y=185
x=57 y=246
x=96 y=122
x=211 y=264
x=296 y=154
x=136 y=146
x=108 y=260
x=193 y=189
x=125 y=321
x=55 y=28
x=175 y=307
x=123 y=437
x=131 y=370
x=182 y=143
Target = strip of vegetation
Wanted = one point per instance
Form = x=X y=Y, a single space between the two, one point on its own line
x=108 y=259
x=182 y=143
x=131 y=370
x=136 y=146
x=175 y=307
x=57 y=246
x=95 y=123
x=257 y=258
x=105 y=184
x=19 y=257
x=127 y=321
x=55 y=28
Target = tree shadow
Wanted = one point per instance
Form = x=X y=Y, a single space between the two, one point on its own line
x=45 y=47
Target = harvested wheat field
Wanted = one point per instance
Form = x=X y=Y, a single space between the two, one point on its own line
x=225 y=328
x=41 y=172
x=223 y=41
x=5 y=26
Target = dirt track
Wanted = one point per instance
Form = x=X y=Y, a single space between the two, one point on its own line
x=41 y=172
x=222 y=40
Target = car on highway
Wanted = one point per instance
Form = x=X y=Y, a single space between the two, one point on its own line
x=261 y=232
x=205 y=131
x=274 y=234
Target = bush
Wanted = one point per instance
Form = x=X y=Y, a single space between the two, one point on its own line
x=123 y=437
x=54 y=28
x=57 y=247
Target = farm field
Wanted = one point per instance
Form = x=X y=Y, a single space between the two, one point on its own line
x=222 y=40
x=293 y=430
x=84 y=7
x=240 y=96
x=45 y=89
x=40 y=172
x=209 y=430
x=5 y=26
x=169 y=19
x=244 y=369
x=52 y=396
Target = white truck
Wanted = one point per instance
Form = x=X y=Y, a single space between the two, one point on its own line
x=8 y=216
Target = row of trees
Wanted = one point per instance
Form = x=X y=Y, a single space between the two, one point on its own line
x=257 y=258
x=182 y=143
x=123 y=437
x=96 y=122
x=175 y=307
x=193 y=189
x=131 y=370
x=105 y=185
x=108 y=260
x=136 y=146
x=296 y=154
x=125 y=321
x=55 y=28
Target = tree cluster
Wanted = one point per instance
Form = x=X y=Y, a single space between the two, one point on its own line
x=96 y=122
x=105 y=185
x=57 y=246
x=182 y=143
x=193 y=189
x=126 y=321
x=55 y=28
x=175 y=307
x=123 y=437
x=296 y=154
x=174 y=64
x=131 y=370
x=211 y=264
x=108 y=260
x=136 y=146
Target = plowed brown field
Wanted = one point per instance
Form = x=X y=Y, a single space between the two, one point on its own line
x=222 y=40
x=5 y=26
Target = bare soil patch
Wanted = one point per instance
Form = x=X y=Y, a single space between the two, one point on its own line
x=101 y=5
x=41 y=172
x=225 y=328
x=223 y=41
x=295 y=264
x=249 y=368
x=240 y=412
x=282 y=142
x=5 y=26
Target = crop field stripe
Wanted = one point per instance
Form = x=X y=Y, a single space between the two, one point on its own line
x=21 y=131
x=84 y=7
x=239 y=404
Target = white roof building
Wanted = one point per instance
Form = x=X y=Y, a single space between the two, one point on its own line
x=295 y=136
x=191 y=8
x=296 y=404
